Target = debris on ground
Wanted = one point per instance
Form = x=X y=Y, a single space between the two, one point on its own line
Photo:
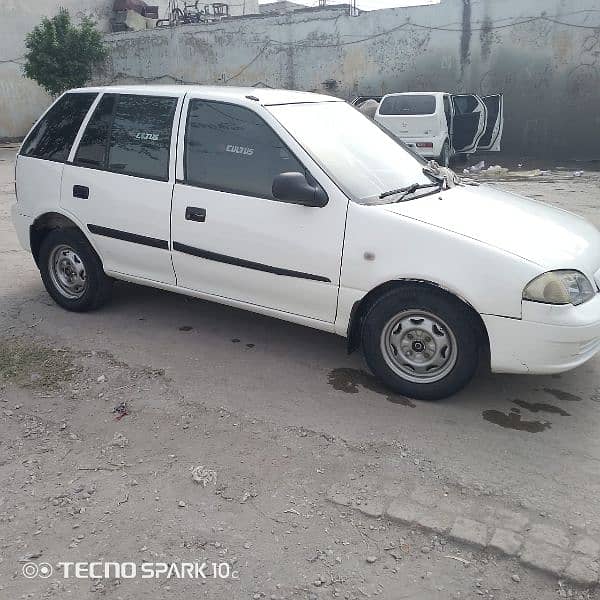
x=459 y=559
x=120 y=410
x=475 y=168
x=119 y=440
x=203 y=475
x=496 y=169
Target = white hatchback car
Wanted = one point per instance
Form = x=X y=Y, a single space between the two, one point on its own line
x=440 y=125
x=295 y=205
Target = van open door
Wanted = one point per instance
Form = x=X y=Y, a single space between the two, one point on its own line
x=492 y=136
x=469 y=117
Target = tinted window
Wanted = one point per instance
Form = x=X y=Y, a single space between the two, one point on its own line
x=94 y=142
x=140 y=137
x=465 y=104
x=408 y=105
x=230 y=148
x=54 y=135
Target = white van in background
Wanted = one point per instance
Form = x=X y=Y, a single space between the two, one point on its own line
x=439 y=125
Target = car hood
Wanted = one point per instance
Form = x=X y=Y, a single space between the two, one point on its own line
x=548 y=236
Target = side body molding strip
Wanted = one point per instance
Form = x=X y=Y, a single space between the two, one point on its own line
x=240 y=262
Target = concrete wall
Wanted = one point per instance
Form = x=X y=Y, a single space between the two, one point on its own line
x=21 y=100
x=544 y=55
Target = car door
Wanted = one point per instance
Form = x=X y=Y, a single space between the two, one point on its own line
x=119 y=182
x=231 y=238
x=492 y=136
x=469 y=115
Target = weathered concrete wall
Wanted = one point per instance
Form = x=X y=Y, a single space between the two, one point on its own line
x=543 y=54
x=21 y=100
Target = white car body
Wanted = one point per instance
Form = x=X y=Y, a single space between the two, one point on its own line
x=424 y=121
x=314 y=265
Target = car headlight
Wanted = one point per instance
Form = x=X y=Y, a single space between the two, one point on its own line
x=560 y=287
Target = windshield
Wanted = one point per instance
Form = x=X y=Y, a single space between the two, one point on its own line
x=359 y=156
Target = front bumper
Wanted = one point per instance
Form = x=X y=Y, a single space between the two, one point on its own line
x=548 y=339
x=21 y=223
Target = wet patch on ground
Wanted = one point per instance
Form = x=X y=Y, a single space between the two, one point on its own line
x=514 y=420
x=345 y=379
x=541 y=407
x=566 y=396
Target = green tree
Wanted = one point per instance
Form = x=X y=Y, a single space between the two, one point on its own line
x=60 y=54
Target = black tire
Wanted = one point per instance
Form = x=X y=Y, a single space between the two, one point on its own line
x=96 y=288
x=386 y=345
x=444 y=158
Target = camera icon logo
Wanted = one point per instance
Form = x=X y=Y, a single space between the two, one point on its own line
x=32 y=570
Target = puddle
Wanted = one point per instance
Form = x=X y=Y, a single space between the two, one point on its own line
x=348 y=380
x=541 y=407
x=513 y=420
x=566 y=396
x=186 y=328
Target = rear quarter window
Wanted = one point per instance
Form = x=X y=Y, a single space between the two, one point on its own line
x=53 y=137
x=408 y=105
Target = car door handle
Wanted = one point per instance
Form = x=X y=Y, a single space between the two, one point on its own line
x=195 y=214
x=81 y=191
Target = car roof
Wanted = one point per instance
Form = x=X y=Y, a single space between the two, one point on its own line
x=265 y=96
x=416 y=94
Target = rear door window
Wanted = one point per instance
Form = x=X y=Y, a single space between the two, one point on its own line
x=408 y=104
x=140 y=137
x=231 y=149
x=53 y=137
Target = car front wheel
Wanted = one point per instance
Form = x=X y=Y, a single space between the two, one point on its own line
x=422 y=343
x=72 y=272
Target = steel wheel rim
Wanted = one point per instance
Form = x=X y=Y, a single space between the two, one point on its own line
x=67 y=272
x=419 y=346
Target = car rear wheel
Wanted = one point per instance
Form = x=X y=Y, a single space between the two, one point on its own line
x=72 y=272
x=422 y=343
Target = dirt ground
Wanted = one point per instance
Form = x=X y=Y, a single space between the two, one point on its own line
x=164 y=429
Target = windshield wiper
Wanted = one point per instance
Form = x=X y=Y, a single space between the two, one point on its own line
x=409 y=189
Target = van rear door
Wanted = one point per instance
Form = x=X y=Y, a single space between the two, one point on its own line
x=468 y=122
x=492 y=136
x=409 y=115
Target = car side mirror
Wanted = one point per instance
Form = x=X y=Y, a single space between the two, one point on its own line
x=295 y=189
